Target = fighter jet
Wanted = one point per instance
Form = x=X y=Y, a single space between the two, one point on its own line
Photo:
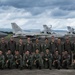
x=17 y=31
x=71 y=31
x=2 y=34
x=56 y=33
x=47 y=32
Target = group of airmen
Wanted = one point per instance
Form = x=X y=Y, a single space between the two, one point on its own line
x=28 y=55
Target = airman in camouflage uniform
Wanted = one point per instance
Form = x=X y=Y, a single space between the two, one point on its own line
x=37 y=45
x=18 y=60
x=56 y=60
x=29 y=46
x=20 y=47
x=27 y=60
x=9 y=60
x=59 y=46
x=46 y=45
x=3 y=46
x=48 y=59
x=68 y=47
x=37 y=60
x=12 y=45
x=65 y=60
x=53 y=45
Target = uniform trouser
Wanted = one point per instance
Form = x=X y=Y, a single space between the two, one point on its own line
x=18 y=64
x=73 y=65
x=70 y=58
x=38 y=63
x=9 y=64
x=29 y=63
x=65 y=64
x=48 y=64
x=1 y=64
x=57 y=64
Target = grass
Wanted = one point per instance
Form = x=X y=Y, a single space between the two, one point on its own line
x=8 y=36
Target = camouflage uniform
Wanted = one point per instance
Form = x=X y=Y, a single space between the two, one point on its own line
x=56 y=61
x=12 y=46
x=2 y=59
x=37 y=61
x=65 y=60
x=9 y=61
x=68 y=46
x=20 y=48
x=46 y=46
x=29 y=47
x=18 y=61
x=73 y=47
x=36 y=46
x=73 y=63
x=3 y=47
x=48 y=60
x=27 y=61
x=60 y=47
x=53 y=47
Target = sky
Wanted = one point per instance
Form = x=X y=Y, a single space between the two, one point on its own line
x=33 y=14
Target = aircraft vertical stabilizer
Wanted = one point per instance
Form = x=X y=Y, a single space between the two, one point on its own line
x=16 y=28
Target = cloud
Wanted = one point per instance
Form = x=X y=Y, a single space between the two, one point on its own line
x=32 y=14
x=59 y=8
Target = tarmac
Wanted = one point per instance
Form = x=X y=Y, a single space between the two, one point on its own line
x=38 y=72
